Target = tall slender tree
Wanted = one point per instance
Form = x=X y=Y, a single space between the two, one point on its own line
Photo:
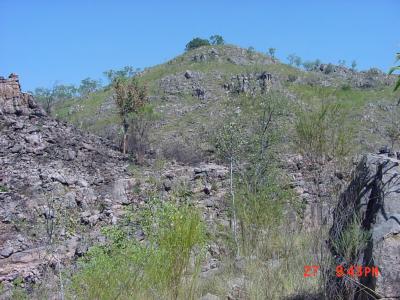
x=130 y=97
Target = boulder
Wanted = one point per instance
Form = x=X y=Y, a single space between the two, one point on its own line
x=188 y=74
x=373 y=196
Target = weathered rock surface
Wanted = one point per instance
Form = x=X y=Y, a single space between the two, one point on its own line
x=56 y=184
x=373 y=196
x=60 y=185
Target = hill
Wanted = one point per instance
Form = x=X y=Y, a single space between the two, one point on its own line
x=245 y=171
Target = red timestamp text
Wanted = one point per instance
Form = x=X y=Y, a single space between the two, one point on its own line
x=340 y=271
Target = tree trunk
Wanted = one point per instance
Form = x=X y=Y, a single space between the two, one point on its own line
x=234 y=225
x=124 y=144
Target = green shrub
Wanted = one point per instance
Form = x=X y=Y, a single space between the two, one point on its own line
x=292 y=77
x=125 y=268
x=346 y=87
x=322 y=133
x=258 y=211
x=374 y=71
x=392 y=130
x=329 y=69
x=351 y=241
x=251 y=51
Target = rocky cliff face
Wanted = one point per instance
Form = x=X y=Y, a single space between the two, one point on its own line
x=57 y=186
x=373 y=196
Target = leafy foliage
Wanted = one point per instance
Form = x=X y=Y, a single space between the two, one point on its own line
x=322 y=133
x=217 y=40
x=88 y=86
x=396 y=68
x=125 y=72
x=393 y=129
x=310 y=65
x=124 y=268
x=351 y=241
x=342 y=62
x=293 y=59
x=271 y=52
x=130 y=97
x=354 y=65
x=138 y=133
x=196 y=43
x=45 y=97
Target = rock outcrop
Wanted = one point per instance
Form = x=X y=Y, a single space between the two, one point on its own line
x=373 y=197
x=57 y=186
x=12 y=101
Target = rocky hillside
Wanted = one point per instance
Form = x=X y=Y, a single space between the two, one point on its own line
x=63 y=180
x=59 y=186
x=196 y=85
x=50 y=169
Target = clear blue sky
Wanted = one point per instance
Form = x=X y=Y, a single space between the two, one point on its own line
x=66 y=41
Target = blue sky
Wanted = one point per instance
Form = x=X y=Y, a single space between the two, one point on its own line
x=66 y=41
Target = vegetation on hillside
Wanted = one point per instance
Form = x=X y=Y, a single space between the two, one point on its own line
x=158 y=269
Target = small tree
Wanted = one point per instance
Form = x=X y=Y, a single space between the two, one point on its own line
x=353 y=65
x=46 y=97
x=297 y=61
x=217 y=40
x=196 y=43
x=130 y=97
x=250 y=52
x=229 y=145
x=127 y=71
x=309 y=65
x=271 y=52
x=342 y=62
x=291 y=59
x=393 y=129
x=396 y=68
x=139 y=128
x=88 y=86
x=63 y=92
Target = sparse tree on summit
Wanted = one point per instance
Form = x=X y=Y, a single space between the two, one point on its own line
x=291 y=59
x=217 y=40
x=271 y=52
x=196 y=43
x=297 y=61
x=353 y=65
